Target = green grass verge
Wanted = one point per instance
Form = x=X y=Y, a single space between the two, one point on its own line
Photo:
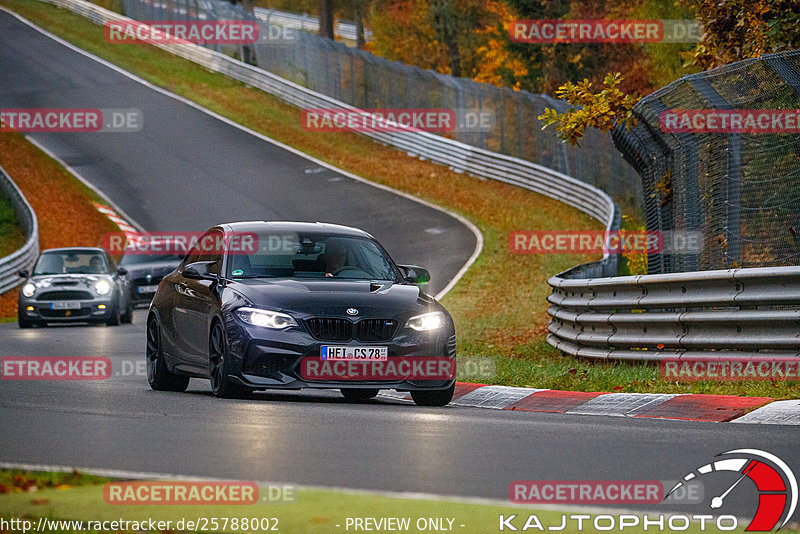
x=313 y=511
x=499 y=306
x=11 y=236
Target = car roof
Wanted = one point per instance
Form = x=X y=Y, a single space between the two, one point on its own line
x=292 y=226
x=74 y=249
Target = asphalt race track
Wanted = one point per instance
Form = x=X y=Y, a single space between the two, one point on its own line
x=185 y=171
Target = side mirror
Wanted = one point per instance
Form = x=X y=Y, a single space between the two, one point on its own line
x=199 y=270
x=122 y=271
x=415 y=275
x=23 y=273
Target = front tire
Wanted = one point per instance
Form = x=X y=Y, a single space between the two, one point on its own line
x=358 y=395
x=441 y=397
x=159 y=377
x=219 y=366
x=23 y=321
x=114 y=319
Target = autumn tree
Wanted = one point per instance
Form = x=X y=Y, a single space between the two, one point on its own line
x=739 y=29
x=447 y=36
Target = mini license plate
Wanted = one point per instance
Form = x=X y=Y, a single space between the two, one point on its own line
x=65 y=305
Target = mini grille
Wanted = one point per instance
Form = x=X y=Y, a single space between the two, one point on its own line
x=65 y=295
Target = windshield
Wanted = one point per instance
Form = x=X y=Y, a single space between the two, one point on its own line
x=71 y=263
x=292 y=255
x=138 y=259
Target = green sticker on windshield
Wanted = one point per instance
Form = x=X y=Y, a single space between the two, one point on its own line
x=238 y=272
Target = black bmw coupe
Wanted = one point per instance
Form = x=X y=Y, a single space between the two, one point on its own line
x=287 y=305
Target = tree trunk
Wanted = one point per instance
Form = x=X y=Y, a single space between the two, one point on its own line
x=325 y=19
x=358 y=16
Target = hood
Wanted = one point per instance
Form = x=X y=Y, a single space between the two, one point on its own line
x=333 y=298
x=67 y=281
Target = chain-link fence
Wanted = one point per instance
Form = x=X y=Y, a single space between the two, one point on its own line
x=364 y=80
x=719 y=155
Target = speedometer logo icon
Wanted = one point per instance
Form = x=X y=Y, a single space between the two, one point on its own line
x=776 y=484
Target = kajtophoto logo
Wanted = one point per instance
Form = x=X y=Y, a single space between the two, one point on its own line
x=775 y=482
x=775 y=491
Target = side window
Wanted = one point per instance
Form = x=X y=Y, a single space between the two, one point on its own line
x=112 y=265
x=207 y=248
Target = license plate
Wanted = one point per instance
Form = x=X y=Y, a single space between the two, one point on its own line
x=147 y=289
x=344 y=353
x=65 y=305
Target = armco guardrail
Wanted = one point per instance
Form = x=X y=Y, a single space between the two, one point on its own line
x=26 y=256
x=652 y=317
x=344 y=29
x=458 y=156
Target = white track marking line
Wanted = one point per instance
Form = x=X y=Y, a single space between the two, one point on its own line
x=84 y=181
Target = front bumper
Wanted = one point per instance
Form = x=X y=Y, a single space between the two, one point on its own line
x=264 y=358
x=93 y=310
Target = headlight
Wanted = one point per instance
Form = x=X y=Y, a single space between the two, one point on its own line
x=28 y=289
x=426 y=321
x=102 y=287
x=266 y=318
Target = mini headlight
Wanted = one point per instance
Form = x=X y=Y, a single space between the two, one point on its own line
x=426 y=321
x=28 y=289
x=266 y=318
x=102 y=287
